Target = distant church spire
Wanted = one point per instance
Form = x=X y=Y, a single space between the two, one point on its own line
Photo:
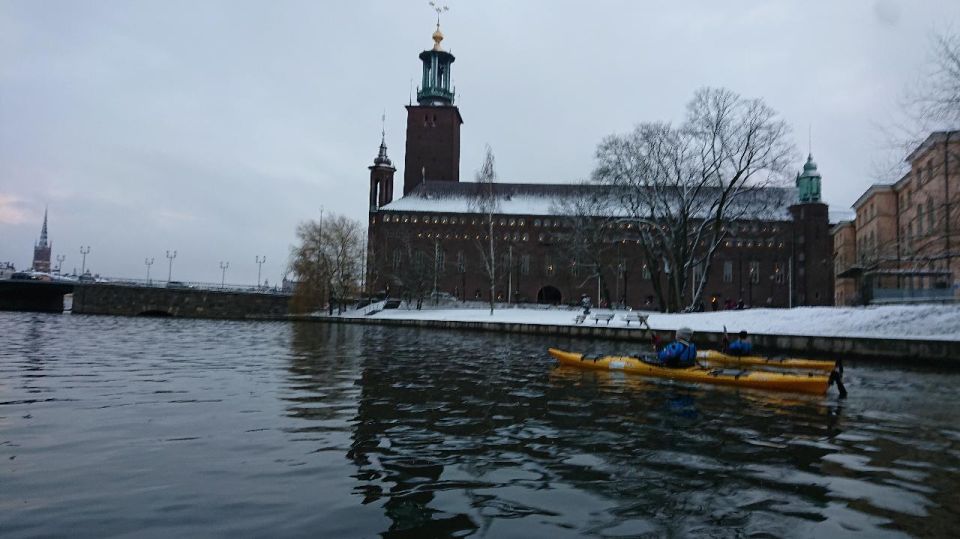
x=41 y=251
x=43 y=231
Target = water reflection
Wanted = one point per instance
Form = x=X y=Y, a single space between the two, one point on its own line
x=343 y=431
x=481 y=434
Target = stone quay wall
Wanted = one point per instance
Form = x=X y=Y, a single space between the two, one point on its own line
x=132 y=300
x=944 y=353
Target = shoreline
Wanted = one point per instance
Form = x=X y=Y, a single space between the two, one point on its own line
x=940 y=352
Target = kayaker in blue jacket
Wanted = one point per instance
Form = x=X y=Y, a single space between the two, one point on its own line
x=741 y=346
x=681 y=352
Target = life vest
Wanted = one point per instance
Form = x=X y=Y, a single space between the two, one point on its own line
x=740 y=347
x=678 y=354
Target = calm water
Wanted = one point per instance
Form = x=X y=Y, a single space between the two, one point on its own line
x=163 y=428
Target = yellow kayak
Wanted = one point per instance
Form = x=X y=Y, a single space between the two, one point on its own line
x=802 y=383
x=760 y=361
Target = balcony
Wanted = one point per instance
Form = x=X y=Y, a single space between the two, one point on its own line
x=435 y=94
x=911 y=295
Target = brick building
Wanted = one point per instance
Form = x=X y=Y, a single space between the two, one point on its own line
x=904 y=238
x=433 y=238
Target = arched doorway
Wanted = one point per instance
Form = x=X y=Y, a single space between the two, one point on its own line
x=549 y=295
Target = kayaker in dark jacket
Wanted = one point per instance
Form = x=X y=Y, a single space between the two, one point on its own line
x=679 y=353
x=740 y=346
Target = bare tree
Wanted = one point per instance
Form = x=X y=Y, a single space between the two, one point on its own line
x=410 y=271
x=682 y=185
x=932 y=103
x=936 y=101
x=486 y=203
x=327 y=262
x=590 y=234
x=928 y=119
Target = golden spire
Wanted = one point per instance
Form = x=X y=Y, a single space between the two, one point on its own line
x=437 y=34
x=437 y=38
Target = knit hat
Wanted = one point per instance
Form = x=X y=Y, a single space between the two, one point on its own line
x=684 y=333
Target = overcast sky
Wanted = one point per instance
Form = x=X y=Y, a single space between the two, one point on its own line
x=212 y=128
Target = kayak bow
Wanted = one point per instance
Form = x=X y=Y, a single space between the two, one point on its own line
x=759 y=361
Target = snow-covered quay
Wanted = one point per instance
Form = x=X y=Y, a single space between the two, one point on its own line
x=923 y=322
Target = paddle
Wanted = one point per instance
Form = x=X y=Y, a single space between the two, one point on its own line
x=836 y=377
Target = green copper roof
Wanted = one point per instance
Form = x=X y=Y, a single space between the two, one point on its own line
x=810 y=168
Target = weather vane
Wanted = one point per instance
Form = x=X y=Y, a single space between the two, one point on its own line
x=439 y=9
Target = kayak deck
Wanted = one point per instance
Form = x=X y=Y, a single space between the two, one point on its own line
x=760 y=361
x=802 y=383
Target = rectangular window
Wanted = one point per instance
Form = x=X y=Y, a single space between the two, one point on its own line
x=646 y=272
x=728 y=271
x=461 y=262
x=778 y=272
x=397 y=257
x=697 y=274
x=548 y=268
x=754 y=271
x=441 y=260
x=525 y=265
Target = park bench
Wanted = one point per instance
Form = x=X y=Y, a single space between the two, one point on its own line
x=640 y=319
x=606 y=317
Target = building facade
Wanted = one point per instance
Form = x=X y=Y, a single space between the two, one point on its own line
x=434 y=240
x=905 y=233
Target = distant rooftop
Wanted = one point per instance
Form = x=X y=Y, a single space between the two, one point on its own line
x=544 y=198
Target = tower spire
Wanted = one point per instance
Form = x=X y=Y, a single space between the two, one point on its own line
x=435 y=84
x=382 y=159
x=43 y=231
x=808 y=181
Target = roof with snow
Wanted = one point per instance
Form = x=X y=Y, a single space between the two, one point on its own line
x=550 y=198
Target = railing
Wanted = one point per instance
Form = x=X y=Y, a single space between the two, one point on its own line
x=905 y=295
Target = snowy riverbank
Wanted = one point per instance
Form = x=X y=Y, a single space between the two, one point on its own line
x=938 y=322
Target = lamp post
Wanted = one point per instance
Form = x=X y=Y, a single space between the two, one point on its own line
x=753 y=274
x=148 y=262
x=60 y=259
x=223 y=272
x=170 y=258
x=260 y=260
x=83 y=266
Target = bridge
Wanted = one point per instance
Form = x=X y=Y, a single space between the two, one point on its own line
x=37 y=296
x=144 y=299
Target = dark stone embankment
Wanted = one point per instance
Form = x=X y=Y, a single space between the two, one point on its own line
x=914 y=351
x=129 y=300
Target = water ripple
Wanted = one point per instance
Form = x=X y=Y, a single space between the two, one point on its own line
x=116 y=426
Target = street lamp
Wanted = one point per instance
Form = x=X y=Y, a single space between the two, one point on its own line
x=60 y=259
x=223 y=272
x=83 y=266
x=260 y=260
x=753 y=274
x=170 y=258
x=148 y=262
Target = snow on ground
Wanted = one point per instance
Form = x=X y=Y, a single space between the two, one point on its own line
x=940 y=322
